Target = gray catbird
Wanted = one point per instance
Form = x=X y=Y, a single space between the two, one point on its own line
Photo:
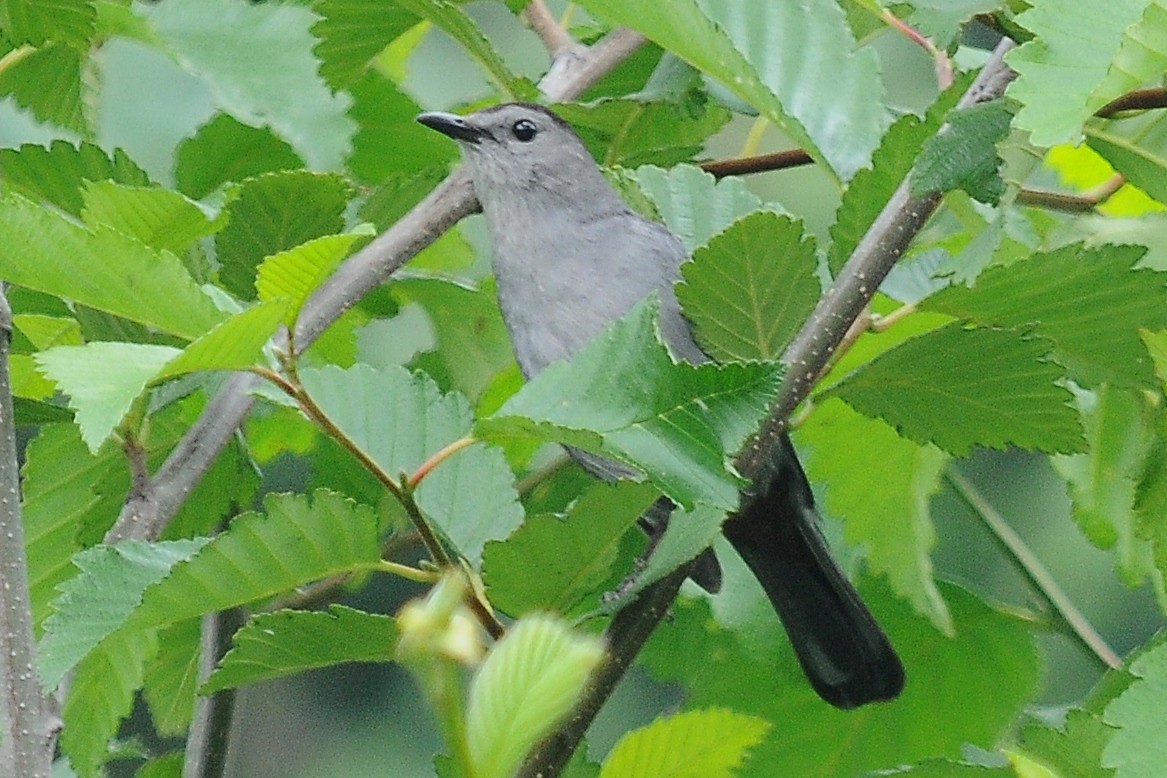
x=570 y=258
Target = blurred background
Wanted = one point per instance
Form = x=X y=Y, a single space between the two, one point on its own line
x=353 y=721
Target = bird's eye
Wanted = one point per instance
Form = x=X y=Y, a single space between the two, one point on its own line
x=524 y=130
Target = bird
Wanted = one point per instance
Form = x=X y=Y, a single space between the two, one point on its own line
x=570 y=257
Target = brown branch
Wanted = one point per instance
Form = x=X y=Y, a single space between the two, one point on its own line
x=554 y=37
x=763 y=163
x=1139 y=100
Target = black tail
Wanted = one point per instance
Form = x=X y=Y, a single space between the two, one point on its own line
x=842 y=650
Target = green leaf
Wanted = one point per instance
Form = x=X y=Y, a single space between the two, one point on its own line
x=292 y=276
x=632 y=132
x=172 y=677
x=1120 y=432
x=100 y=598
x=297 y=540
x=39 y=21
x=959 y=387
x=623 y=397
x=694 y=204
x=1142 y=57
x=56 y=173
x=235 y=344
x=48 y=331
x=750 y=288
x=965 y=157
x=103 y=269
x=276 y=645
x=101 y=693
x=698 y=744
x=48 y=83
x=352 y=32
x=1061 y=70
x=453 y=21
x=400 y=420
x=1136 y=749
x=473 y=344
x=882 y=490
x=276 y=212
x=102 y=381
x=267 y=77
x=987 y=671
x=554 y=563
x=389 y=139
x=160 y=218
x=1072 y=751
x=782 y=58
x=1089 y=302
x=1137 y=149
x=225 y=150
x=529 y=681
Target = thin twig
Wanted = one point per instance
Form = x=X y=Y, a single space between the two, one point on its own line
x=1138 y=100
x=1080 y=203
x=206 y=743
x=1034 y=570
x=762 y=163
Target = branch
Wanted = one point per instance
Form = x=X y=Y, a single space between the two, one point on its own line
x=28 y=722
x=885 y=241
x=554 y=37
x=1139 y=100
x=763 y=163
x=1041 y=579
x=206 y=743
x=147 y=512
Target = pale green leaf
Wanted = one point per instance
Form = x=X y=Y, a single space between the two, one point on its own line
x=401 y=420
x=1061 y=69
x=295 y=274
x=782 y=58
x=1142 y=56
x=959 y=387
x=257 y=61
x=750 y=288
x=694 y=204
x=279 y=644
x=100 y=598
x=1138 y=150
x=103 y=269
x=103 y=380
x=48 y=331
x=235 y=344
x=707 y=743
x=1120 y=431
x=160 y=218
x=1137 y=749
x=529 y=681
x=882 y=491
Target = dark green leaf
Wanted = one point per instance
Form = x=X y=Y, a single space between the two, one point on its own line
x=1089 y=302
x=624 y=397
x=959 y=387
x=47 y=82
x=389 y=140
x=552 y=563
x=273 y=213
x=225 y=150
x=750 y=288
x=965 y=155
x=276 y=645
x=1072 y=751
x=56 y=173
x=172 y=677
x=39 y=21
x=352 y=32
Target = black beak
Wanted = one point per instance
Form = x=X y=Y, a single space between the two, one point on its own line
x=452 y=125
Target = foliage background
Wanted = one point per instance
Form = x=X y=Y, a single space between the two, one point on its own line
x=352 y=722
